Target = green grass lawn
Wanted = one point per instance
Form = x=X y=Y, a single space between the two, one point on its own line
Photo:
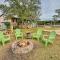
x=40 y=52
x=34 y=29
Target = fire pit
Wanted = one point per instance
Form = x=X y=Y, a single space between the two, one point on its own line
x=22 y=47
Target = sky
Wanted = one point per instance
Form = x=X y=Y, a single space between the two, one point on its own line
x=48 y=8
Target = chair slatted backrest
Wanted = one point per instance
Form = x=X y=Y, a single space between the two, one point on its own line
x=39 y=32
x=1 y=35
x=52 y=35
x=17 y=31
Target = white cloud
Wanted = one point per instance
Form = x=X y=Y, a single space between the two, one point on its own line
x=6 y=3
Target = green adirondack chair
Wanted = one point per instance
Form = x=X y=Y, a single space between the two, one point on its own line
x=38 y=34
x=18 y=34
x=3 y=38
x=50 y=39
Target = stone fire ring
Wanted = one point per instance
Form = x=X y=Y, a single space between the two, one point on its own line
x=20 y=50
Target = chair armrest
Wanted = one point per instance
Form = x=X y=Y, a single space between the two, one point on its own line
x=44 y=39
x=7 y=36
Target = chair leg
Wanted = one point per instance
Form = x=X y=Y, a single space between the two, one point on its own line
x=3 y=43
x=46 y=43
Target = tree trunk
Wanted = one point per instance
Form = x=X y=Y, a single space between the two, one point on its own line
x=11 y=25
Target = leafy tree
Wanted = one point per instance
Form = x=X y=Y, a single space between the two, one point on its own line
x=56 y=16
x=24 y=9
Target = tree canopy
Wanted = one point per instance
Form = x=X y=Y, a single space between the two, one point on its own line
x=24 y=9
